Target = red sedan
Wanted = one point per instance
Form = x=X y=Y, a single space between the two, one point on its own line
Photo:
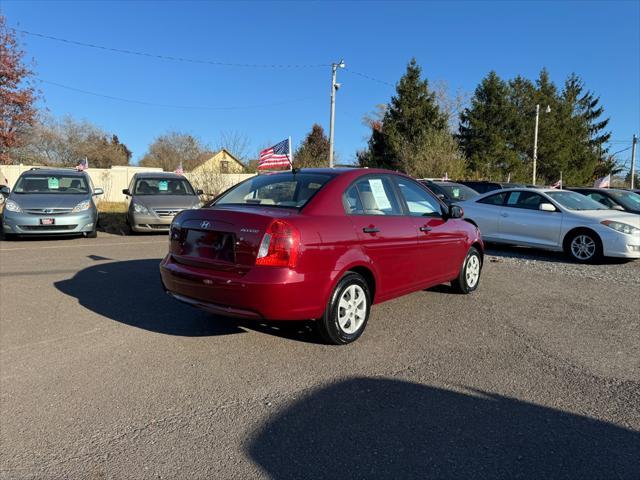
x=321 y=244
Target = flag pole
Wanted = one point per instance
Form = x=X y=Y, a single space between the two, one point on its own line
x=561 y=185
x=290 y=154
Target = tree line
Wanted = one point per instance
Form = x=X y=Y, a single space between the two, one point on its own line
x=420 y=131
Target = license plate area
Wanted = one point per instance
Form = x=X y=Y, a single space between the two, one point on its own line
x=47 y=221
x=210 y=245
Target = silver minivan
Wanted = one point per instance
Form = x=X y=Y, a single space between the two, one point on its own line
x=156 y=197
x=50 y=201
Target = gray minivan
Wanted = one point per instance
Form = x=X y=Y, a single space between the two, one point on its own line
x=156 y=197
x=50 y=201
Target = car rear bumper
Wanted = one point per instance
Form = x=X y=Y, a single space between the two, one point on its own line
x=26 y=224
x=269 y=293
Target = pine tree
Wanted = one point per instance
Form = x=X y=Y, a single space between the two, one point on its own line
x=410 y=119
x=314 y=150
x=487 y=130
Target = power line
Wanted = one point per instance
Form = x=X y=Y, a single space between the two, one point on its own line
x=191 y=107
x=171 y=57
x=368 y=77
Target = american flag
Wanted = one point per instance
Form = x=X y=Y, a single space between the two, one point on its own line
x=179 y=170
x=604 y=182
x=558 y=184
x=277 y=156
x=445 y=178
x=82 y=165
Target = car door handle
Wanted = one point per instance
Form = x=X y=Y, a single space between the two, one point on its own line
x=370 y=230
x=425 y=229
x=504 y=214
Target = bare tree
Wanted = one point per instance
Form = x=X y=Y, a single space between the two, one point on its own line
x=235 y=142
x=174 y=148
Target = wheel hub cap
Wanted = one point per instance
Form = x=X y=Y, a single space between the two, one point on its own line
x=352 y=309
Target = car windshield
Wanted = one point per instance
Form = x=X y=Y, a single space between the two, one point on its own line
x=628 y=200
x=292 y=190
x=456 y=191
x=54 y=183
x=575 y=201
x=163 y=186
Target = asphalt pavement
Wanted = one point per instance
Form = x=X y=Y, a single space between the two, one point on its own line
x=103 y=376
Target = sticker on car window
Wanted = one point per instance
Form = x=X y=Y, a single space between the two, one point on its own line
x=163 y=185
x=377 y=189
x=53 y=183
x=456 y=192
x=314 y=186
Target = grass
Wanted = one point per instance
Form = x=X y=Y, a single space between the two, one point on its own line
x=113 y=217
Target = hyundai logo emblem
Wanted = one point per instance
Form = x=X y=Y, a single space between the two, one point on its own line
x=205 y=224
x=47 y=210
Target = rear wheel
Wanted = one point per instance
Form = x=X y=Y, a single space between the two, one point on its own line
x=347 y=312
x=469 y=276
x=584 y=246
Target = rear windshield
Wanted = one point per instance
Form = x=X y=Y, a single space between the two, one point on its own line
x=291 y=190
x=163 y=186
x=63 y=184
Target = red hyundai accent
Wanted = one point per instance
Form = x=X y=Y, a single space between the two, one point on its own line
x=322 y=244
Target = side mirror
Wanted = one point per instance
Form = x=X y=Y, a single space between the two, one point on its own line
x=547 y=207
x=126 y=192
x=455 y=211
x=441 y=196
x=199 y=192
x=4 y=190
x=98 y=191
x=618 y=207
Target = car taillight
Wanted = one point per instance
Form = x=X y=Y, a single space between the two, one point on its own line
x=279 y=246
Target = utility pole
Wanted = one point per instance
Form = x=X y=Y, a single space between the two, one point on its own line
x=633 y=160
x=334 y=88
x=535 y=141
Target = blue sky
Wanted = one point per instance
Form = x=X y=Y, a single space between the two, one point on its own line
x=456 y=42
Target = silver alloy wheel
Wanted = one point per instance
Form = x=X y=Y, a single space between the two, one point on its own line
x=352 y=309
x=583 y=247
x=472 y=272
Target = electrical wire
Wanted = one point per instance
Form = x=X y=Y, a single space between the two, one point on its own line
x=171 y=57
x=191 y=107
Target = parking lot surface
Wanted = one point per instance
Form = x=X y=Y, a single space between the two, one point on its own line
x=536 y=375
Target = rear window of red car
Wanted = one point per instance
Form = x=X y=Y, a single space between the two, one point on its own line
x=290 y=190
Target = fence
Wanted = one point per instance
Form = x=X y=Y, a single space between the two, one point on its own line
x=113 y=180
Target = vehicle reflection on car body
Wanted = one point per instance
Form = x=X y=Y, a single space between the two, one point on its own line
x=157 y=197
x=320 y=244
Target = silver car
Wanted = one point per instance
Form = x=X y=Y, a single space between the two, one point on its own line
x=156 y=197
x=558 y=220
x=50 y=202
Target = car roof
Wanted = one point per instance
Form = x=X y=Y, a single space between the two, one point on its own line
x=596 y=189
x=158 y=175
x=55 y=171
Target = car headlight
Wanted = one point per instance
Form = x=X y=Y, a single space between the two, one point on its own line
x=12 y=206
x=84 y=205
x=621 y=227
x=139 y=208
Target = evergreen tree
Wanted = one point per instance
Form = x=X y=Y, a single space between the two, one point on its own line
x=314 y=150
x=410 y=119
x=487 y=130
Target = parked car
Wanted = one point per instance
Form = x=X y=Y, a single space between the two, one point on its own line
x=482 y=186
x=50 y=202
x=450 y=192
x=558 y=220
x=618 y=199
x=156 y=197
x=320 y=244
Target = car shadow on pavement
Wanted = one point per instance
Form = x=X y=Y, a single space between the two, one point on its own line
x=390 y=429
x=130 y=292
x=528 y=253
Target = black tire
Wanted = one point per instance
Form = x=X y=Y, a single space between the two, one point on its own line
x=92 y=234
x=465 y=282
x=583 y=246
x=329 y=326
x=9 y=237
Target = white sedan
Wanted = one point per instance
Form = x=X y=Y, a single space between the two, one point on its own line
x=557 y=220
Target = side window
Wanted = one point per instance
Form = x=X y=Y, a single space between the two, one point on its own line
x=351 y=202
x=497 y=199
x=526 y=200
x=419 y=202
x=377 y=196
